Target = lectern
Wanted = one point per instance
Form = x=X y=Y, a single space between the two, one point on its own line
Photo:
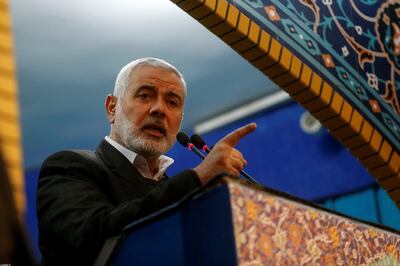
x=232 y=222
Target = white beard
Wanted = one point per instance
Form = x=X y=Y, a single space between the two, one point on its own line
x=132 y=138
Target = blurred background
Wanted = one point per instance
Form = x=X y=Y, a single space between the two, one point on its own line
x=68 y=54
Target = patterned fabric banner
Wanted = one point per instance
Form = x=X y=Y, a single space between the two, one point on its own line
x=271 y=230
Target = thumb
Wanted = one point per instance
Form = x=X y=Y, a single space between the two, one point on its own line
x=234 y=137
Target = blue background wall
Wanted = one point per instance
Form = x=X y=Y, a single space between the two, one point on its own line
x=281 y=155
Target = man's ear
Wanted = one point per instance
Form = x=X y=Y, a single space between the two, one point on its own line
x=111 y=105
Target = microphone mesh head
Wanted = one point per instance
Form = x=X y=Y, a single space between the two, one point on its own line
x=183 y=139
x=198 y=141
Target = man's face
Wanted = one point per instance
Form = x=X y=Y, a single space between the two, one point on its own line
x=149 y=115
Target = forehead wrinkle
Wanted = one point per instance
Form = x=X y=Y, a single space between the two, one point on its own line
x=179 y=82
x=158 y=79
x=171 y=87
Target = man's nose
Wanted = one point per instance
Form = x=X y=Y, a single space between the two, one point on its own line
x=158 y=108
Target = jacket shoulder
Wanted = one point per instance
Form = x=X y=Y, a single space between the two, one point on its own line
x=73 y=154
x=67 y=158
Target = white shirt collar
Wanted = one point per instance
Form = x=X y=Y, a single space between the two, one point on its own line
x=140 y=162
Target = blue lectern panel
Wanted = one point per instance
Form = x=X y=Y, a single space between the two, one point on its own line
x=208 y=229
x=196 y=232
x=156 y=243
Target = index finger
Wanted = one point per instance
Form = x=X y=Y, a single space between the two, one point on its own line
x=234 y=137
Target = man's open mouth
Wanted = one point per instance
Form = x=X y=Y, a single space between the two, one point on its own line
x=155 y=130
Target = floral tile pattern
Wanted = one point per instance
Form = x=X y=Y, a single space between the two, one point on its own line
x=271 y=230
x=353 y=45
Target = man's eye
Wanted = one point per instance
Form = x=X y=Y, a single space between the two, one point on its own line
x=173 y=103
x=144 y=96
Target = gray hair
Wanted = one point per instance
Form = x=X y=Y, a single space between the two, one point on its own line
x=124 y=76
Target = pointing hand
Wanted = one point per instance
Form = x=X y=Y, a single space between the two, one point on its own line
x=224 y=158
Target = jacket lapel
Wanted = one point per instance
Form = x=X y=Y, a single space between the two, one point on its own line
x=116 y=162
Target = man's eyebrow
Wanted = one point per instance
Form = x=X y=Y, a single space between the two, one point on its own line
x=174 y=94
x=147 y=87
x=150 y=87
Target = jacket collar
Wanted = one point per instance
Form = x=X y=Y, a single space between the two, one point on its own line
x=116 y=161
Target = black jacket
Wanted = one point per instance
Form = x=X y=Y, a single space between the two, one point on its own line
x=84 y=197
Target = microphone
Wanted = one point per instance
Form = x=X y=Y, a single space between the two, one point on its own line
x=201 y=144
x=184 y=140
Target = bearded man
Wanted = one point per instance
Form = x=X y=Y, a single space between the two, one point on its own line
x=85 y=197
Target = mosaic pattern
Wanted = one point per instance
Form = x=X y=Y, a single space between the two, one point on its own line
x=275 y=231
x=354 y=45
